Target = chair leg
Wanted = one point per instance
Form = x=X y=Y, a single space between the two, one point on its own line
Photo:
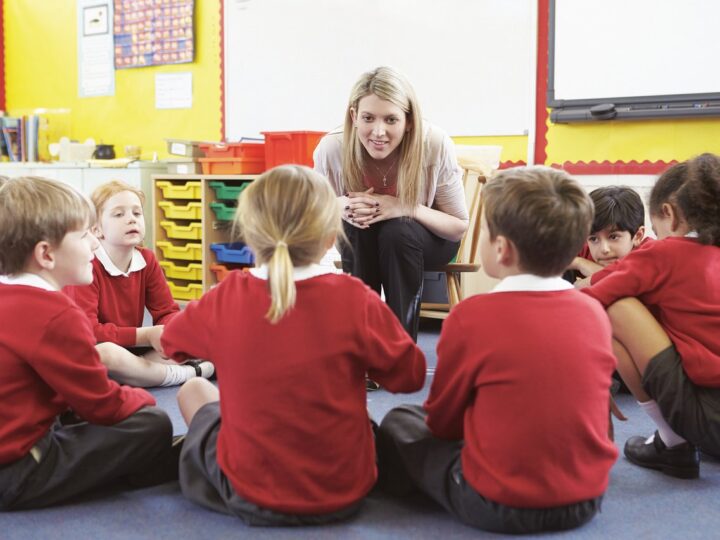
x=453 y=289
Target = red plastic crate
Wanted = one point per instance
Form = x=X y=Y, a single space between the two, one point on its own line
x=290 y=147
x=232 y=165
x=244 y=150
x=222 y=271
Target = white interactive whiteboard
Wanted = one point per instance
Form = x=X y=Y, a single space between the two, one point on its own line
x=290 y=64
x=657 y=54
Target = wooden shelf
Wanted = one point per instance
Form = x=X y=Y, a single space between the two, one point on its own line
x=211 y=231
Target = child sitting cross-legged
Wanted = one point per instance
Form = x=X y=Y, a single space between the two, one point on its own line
x=127 y=279
x=287 y=439
x=513 y=437
x=664 y=306
x=50 y=364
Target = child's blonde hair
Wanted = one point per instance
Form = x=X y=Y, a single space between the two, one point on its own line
x=34 y=209
x=102 y=194
x=287 y=217
x=546 y=214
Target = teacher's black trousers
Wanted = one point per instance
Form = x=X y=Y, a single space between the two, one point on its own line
x=393 y=254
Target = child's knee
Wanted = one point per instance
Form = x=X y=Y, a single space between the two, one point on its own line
x=194 y=387
x=112 y=356
x=155 y=422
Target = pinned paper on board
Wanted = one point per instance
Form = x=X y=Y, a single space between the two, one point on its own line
x=173 y=90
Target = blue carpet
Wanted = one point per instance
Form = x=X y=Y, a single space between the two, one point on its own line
x=639 y=504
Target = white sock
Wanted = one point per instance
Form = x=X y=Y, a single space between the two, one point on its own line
x=177 y=374
x=667 y=435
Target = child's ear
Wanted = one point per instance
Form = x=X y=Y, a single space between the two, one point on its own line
x=676 y=220
x=44 y=255
x=96 y=232
x=639 y=235
x=505 y=253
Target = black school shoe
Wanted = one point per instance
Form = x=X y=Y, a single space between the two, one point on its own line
x=681 y=461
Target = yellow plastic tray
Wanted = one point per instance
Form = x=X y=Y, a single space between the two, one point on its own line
x=182 y=232
x=192 y=291
x=188 y=190
x=192 y=271
x=188 y=252
x=192 y=210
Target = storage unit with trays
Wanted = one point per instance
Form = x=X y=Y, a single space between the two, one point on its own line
x=192 y=218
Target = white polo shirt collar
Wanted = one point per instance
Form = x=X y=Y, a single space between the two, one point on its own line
x=136 y=263
x=532 y=283
x=299 y=273
x=30 y=280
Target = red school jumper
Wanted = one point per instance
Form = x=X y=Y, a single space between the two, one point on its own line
x=295 y=435
x=678 y=280
x=597 y=276
x=115 y=304
x=523 y=378
x=49 y=364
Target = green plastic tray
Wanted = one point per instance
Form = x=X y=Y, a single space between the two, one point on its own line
x=222 y=211
x=227 y=192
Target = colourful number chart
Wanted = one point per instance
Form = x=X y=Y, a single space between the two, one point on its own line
x=153 y=32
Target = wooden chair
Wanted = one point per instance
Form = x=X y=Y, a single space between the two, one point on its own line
x=467 y=260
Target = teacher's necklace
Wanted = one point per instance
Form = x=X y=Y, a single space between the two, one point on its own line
x=384 y=175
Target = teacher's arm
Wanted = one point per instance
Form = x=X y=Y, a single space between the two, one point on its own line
x=383 y=207
x=327 y=158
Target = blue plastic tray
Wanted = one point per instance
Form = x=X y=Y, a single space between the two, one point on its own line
x=234 y=252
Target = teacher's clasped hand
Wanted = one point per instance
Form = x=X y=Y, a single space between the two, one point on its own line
x=400 y=191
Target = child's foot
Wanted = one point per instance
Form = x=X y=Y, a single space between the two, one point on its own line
x=680 y=461
x=203 y=368
x=176 y=374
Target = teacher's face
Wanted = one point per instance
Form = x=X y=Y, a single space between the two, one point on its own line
x=380 y=125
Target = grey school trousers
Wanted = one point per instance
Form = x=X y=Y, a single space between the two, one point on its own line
x=410 y=457
x=72 y=459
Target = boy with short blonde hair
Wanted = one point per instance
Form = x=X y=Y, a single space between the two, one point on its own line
x=513 y=436
x=50 y=365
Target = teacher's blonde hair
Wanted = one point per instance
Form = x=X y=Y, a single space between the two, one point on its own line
x=288 y=216
x=387 y=84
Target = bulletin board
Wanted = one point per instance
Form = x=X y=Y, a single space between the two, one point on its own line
x=290 y=64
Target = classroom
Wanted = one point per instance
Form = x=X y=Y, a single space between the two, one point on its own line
x=187 y=103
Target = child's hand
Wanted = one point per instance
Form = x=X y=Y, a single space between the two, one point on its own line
x=582 y=283
x=153 y=334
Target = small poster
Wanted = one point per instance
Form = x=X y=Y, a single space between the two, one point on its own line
x=153 y=32
x=173 y=90
x=96 y=69
x=95 y=20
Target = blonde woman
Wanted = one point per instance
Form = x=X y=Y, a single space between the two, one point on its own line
x=399 y=188
x=291 y=342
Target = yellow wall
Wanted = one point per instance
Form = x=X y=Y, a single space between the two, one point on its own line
x=41 y=72
x=626 y=140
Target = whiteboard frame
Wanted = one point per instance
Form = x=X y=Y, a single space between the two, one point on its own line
x=621 y=107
